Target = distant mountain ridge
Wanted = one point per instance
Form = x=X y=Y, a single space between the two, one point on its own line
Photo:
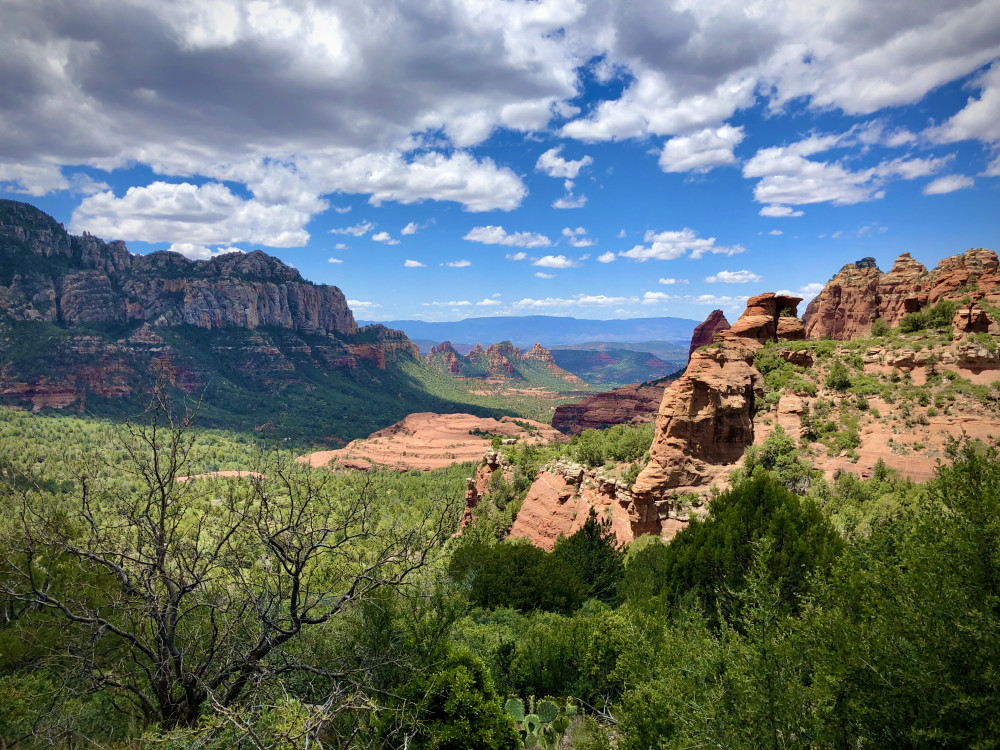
x=614 y=367
x=504 y=361
x=85 y=325
x=50 y=275
x=548 y=330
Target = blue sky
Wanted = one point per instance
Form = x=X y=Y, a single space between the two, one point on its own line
x=445 y=159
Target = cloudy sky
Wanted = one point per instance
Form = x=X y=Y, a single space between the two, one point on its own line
x=442 y=159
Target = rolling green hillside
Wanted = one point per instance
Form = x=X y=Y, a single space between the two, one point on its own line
x=613 y=367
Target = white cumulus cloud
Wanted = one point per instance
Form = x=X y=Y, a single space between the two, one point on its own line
x=554 y=261
x=357 y=230
x=734 y=277
x=948 y=183
x=496 y=235
x=570 y=201
x=701 y=151
x=384 y=237
x=578 y=237
x=554 y=165
x=788 y=177
x=185 y=213
x=413 y=264
x=671 y=245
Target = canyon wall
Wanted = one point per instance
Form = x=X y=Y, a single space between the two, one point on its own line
x=860 y=293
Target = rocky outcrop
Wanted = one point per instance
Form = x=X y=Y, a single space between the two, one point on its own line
x=860 y=293
x=538 y=353
x=628 y=404
x=972 y=319
x=500 y=361
x=560 y=499
x=445 y=358
x=704 y=333
x=426 y=441
x=249 y=315
x=705 y=420
x=477 y=486
x=77 y=280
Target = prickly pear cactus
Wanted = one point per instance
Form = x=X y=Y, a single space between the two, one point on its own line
x=532 y=724
x=515 y=709
x=547 y=711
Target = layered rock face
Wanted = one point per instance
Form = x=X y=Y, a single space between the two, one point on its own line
x=560 y=500
x=112 y=312
x=538 y=353
x=628 y=404
x=705 y=420
x=704 y=333
x=90 y=281
x=860 y=293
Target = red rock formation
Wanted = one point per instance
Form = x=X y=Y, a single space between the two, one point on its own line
x=560 y=500
x=476 y=486
x=539 y=354
x=971 y=319
x=705 y=420
x=860 y=293
x=628 y=404
x=501 y=359
x=444 y=357
x=109 y=284
x=48 y=275
x=704 y=333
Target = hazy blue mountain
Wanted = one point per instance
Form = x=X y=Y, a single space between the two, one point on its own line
x=548 y=330
x=613 y=367
x=665 y=350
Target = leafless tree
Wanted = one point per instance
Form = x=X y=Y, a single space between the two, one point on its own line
x=187 y=594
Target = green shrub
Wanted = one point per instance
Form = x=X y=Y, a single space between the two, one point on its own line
x=986 y=340
x=594 y=554
x=913 y=322
x=458 y=708
x=838 y=376
x=710 y=560
x=516 y=575
x=880 y=327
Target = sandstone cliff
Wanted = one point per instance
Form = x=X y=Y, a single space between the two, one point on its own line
x=860 y=293
x=705 y=420
x=84 y=323
x=704 y=333
x=502 y=361
x=560 y=500
x=52 y=276
x=629 y=404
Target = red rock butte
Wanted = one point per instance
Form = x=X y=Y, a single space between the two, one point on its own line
x=704 y=423
x=860 y=293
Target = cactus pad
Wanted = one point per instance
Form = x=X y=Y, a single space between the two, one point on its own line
x=515 y=709
x=547 y=711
